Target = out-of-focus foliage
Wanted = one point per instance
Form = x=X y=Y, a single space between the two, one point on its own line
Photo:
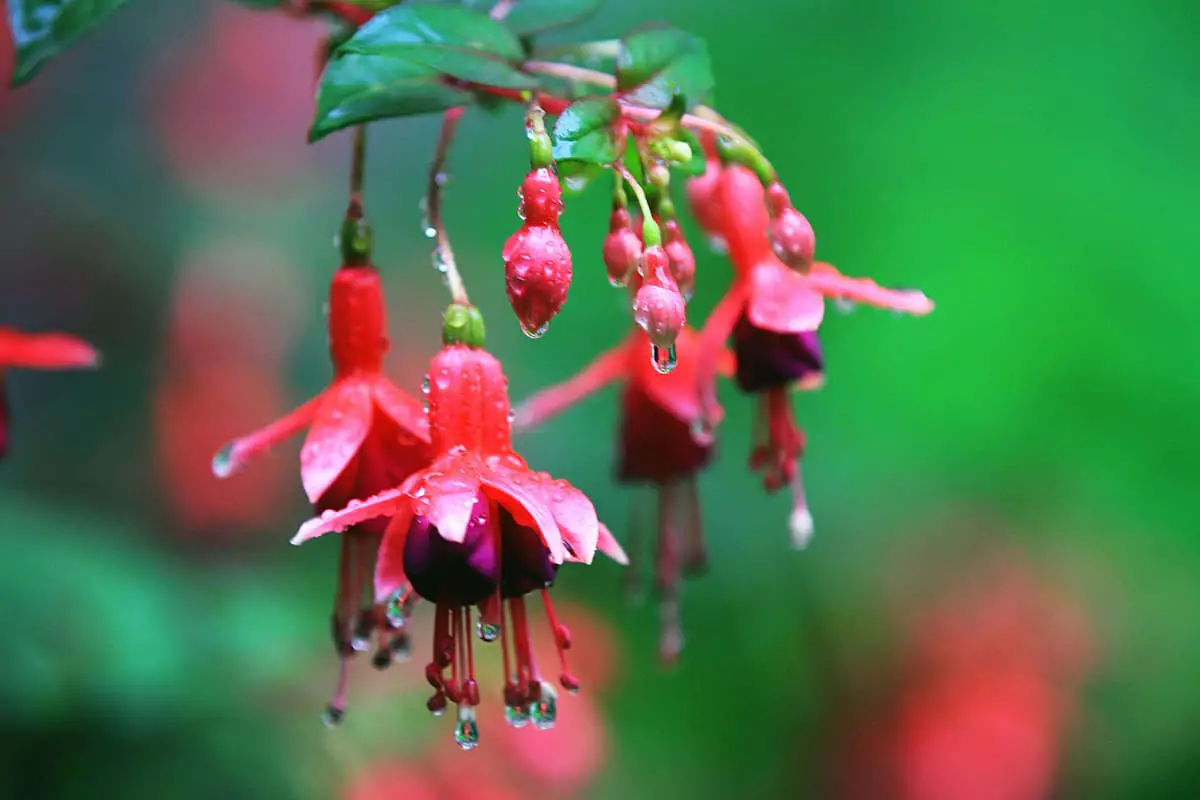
x=1030 y=166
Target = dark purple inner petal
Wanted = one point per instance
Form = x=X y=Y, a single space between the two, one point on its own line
x=456 y=573
x=526 y=561
x=770 y=360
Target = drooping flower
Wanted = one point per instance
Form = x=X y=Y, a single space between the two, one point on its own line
x=364 y=435
x=537 y=261
x=772 y=312
x=38 y=351
x=477 y=528
x=656 y=447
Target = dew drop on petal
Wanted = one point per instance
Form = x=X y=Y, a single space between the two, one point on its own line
x=222 y=462
x=718 y=244
x=663 y=359
x=466 y=731
x=426 y=385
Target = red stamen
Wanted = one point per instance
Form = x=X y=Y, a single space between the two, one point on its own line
x=562 y=641
x=526 y=669
x=471 y=686
x=453 y=690
x=779 y=455
x=670 y=635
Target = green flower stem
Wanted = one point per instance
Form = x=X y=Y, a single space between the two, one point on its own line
x=651 y=235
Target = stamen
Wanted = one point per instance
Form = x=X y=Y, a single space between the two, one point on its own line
x=562 y=641
x=524 y=653
x=695 y=553
x=467 y=654
x=336 y=710
x=453 y=690
x=670 y=633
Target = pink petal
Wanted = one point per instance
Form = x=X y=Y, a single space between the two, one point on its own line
x=447 y=498
x=608 y=545
x=826 y=279
x=338 y=430
x=389 y=563
x=406 y=411
x=714 y=335
x=235 y=455
x=782 y=300
x=519 y=492
x=384 y=504
x=576 y=518
x=607 y=367
x=45 y=350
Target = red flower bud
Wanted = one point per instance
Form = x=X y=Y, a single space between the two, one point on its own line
x=658 y=308
x=537 y=271
x=622 y=248
x=541 y=198
x=705 y=202
x=537 y=261
x=683 y=262
x=792 y=237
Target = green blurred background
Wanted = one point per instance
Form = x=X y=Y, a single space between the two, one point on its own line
x=1033 y=167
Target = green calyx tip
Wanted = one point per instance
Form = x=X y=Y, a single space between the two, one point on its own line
x=541 y=149
x=463 y=324
x=739 y=151
x=651 y=233
x=354 y=241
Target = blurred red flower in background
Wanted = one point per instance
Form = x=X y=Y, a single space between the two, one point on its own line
x=988 y=679
x=235 y=311
x=227 y=117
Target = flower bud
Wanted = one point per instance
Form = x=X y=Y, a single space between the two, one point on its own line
x=622 y=248
x=537 y=271
x=541 y=198
x=705 y=202
x=792 y=237
x=658 y=307
x=682 y=261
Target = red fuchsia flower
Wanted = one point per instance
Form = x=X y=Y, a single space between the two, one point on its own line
x=478 y=528
x=38 y=351
x=772 y=312
x=703 y=199
x=537 y=261
x=364 y=435
x=656 y=447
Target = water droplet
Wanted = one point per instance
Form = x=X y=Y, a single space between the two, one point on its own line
x=222 y=462
x=575 y=183
x=800 y=526
x=439 y=261
x=426 y=384
x=488 y=631
x=426 y=224
x=663 y=360
x=544 y=710
x=516 y=716
x=397 y=610
x=466 y=732
x=360 y=644
x=718 y=244
x=521 y=209
x=512 y=416
x=442 y=178
x=332 y=716
x=535 y=333
x=618 y=281
x=843 y=305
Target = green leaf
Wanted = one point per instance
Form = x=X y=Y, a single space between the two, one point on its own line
x=41 y=29
x=655 y=65
x=534 y=16
x=584 y=132
x=357 y=88
x=452 y=40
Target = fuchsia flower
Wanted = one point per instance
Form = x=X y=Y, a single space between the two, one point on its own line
x=364 y=435
x=38 y=351
x=537 y=261
x=658 y=413
x=773 y=312
x=477 y=527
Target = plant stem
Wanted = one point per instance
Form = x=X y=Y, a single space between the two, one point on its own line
x=706 y=119
x=358 y=161
x=433 y=200
x=651 y=234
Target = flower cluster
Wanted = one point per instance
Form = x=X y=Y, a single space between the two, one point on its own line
x=430 y=496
